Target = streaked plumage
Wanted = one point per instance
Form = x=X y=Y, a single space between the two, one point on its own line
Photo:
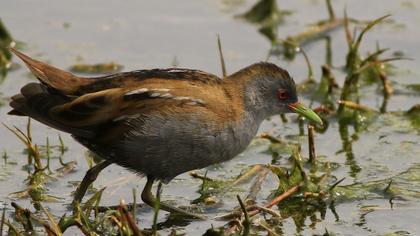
x=159 y=122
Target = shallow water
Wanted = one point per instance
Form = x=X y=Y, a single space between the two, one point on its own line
x=150 y=34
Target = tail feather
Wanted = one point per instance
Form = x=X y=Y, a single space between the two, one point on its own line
x=17 y=103
x=60 y=80
x=15 y=113
x=36 y=100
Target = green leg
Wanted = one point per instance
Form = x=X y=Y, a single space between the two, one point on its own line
x=90 y=176
x=150 y=200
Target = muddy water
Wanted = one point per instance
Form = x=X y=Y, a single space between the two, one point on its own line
x=150 y=34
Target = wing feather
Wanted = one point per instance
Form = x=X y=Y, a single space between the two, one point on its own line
x=117 y=104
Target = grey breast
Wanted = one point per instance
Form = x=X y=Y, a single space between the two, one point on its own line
x=164 y=146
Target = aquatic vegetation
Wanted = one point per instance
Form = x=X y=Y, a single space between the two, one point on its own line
x=267 y=16
x=292 y=44
x=395 y=187
x=294 y=179
x=414 y=115
x=100 y=68
x=6 y=41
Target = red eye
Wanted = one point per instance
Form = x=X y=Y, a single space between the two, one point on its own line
x=281 y=94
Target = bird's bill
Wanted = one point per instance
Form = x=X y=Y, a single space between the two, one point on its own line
x=300 y=109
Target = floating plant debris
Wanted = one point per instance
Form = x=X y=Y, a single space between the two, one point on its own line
x=6 y=41
x=414 y=115
x=291 y=180
x=265 y=12
x=267 y=15
x=101 y=68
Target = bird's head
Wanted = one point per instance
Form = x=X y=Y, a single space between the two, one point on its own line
x=270 y=90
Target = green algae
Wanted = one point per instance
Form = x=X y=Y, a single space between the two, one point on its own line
x=100 y=68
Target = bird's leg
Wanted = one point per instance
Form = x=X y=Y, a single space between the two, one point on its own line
x=150 y=200
x=90 y=176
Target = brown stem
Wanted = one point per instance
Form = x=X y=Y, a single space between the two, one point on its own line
x=387 y=89
x=248 y=174
x=202 y=177
x=222 y=60
x=130 y=220
x=312 y=156
x=285 y=195
x=271 y=138
x=277 y=200
x=246 y=223
x=256 y=186
x=355 y=106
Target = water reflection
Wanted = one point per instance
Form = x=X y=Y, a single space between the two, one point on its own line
x=300 y=211
x=303 y=213
x=6 y=41
x=331 y=206
x=347 y=148
x=267 y=16
x=384 y=105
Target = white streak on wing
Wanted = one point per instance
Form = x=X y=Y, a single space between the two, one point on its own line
x=166 y=95
x=190 y=101
x=153 y=95
x=197 y=100
x=161 y=93
x=137 y=91
x=182 y=98
x=120 y=118
x=134 y=116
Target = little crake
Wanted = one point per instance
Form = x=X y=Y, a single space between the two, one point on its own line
x=161 y=122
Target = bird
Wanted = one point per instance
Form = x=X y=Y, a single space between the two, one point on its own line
x=158 y=123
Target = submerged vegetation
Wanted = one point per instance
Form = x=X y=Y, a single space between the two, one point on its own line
x=5 y=56
x=307 y=185
x=101 y=68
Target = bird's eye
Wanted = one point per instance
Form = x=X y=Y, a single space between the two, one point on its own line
x=281 y=94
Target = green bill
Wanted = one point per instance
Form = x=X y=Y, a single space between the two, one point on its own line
x=305 y=112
